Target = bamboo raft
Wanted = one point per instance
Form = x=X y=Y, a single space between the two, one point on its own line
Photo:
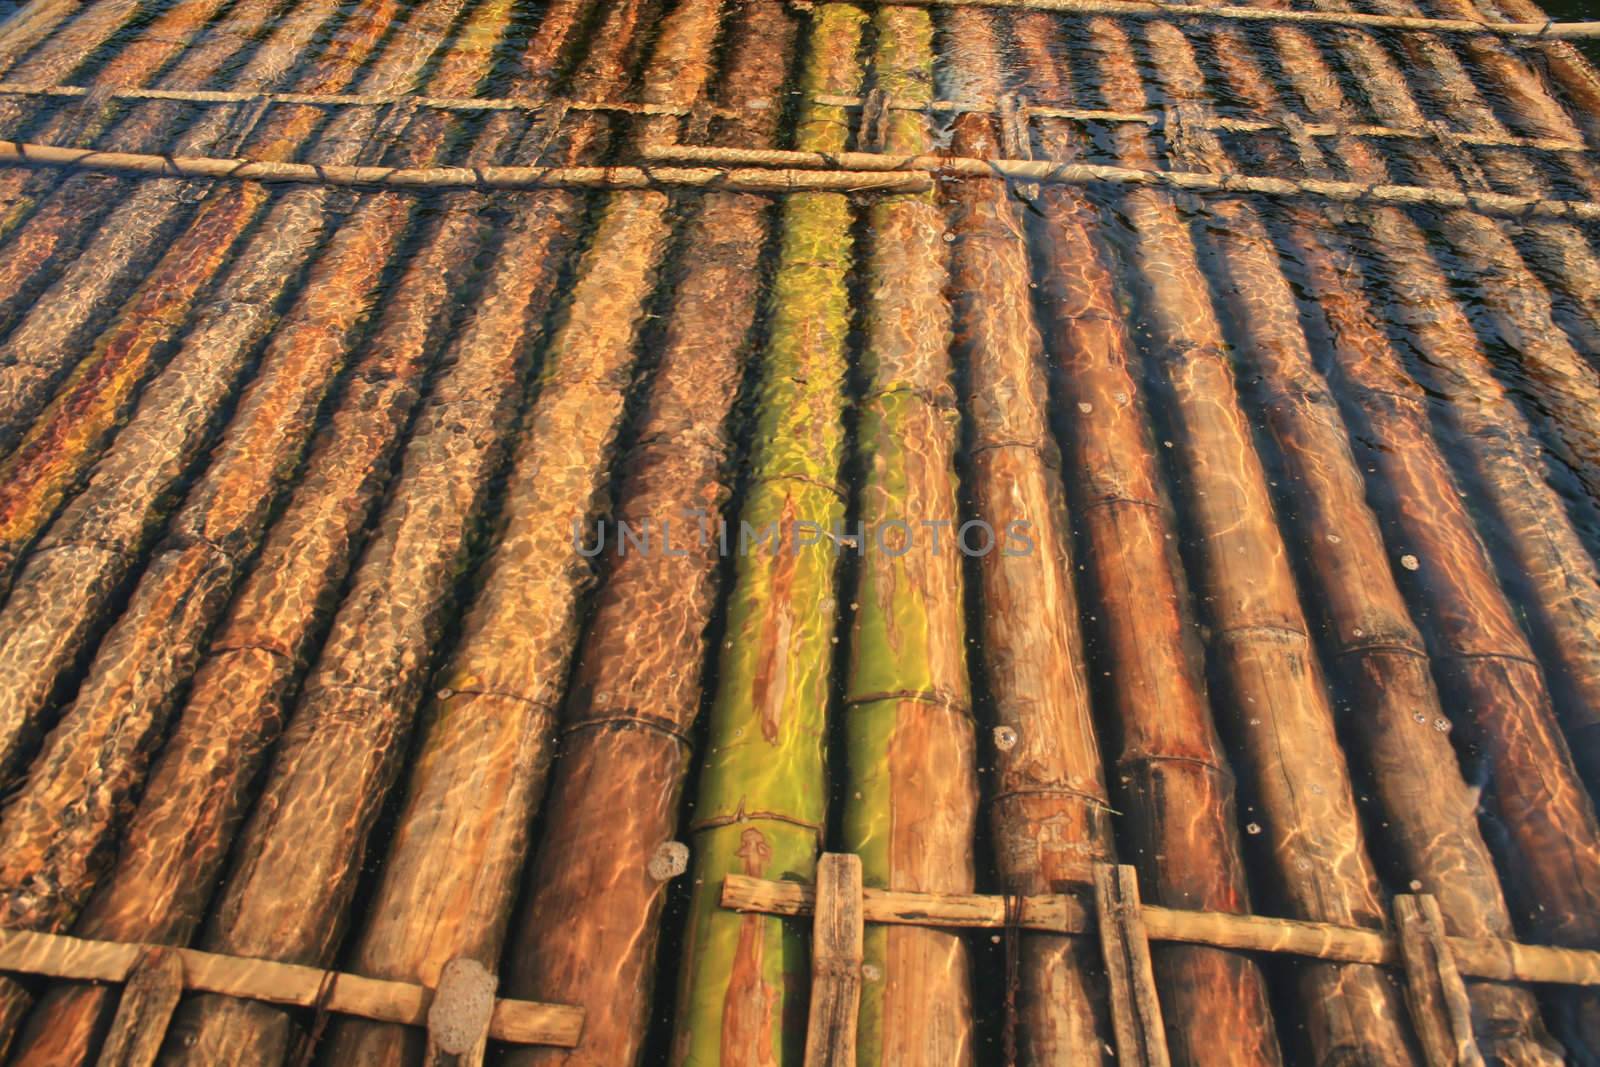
x=910 y=532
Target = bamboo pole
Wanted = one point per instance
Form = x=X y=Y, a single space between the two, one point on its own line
x=299 y=858
x=1567 y=69
x=168 y=36
x=1429 y=811
x=1050 y=812
x=99 y=538
x=1490 y=958
x=64 y=49
x=97 y=756
x=489 y=177
x=175 y=842
x=624 y=749
x=762 y=799
x=450 y=876
x=30 y=24
x=1279 y=707
x=56 y=325
x=1520 y=310
x=1484 y=659
x=94 y=761
x=1174 y=784
x=908 y=707
x=1161 y=10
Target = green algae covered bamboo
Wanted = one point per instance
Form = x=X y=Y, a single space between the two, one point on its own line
x=1050 y=814
x=912 y=801
x=591 y=925
x=763 y=793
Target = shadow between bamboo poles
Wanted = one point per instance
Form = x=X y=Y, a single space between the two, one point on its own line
x=495 y=716
x=175 y=842
x=60 y=601
x=1050 y=814
x=590 y=927
x=1429 y=811
x=1517 y=305
x=341 y=757
x=762 y=793
x=57 y=324
x=1483 y=658
x=1174 y=784
x=908 y=704
x=98 y=539
x=1282 y=713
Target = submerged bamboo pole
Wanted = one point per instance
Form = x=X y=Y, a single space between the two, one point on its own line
x=300 y=856
x=1430 y=813
x=63 y=50
x=592 y=922
x=99 y=538
x=57 y=325
x=94 y=761
x=1518 y=308
x=1279 y=707
x=1173 y=781
x=1574 y=75
x=908 y=707
x=762 y=800
x=450 y=876
x=200 y=786
x=29 y=25
x=1050 y=813
x=1483 y=658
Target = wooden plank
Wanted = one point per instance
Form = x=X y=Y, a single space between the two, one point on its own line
x=1135 y=1008
x=458 y=1018
x=1491 y=958
x=1440 y=1011
x=154 y=987
x=519 y=1022
x=837 y=948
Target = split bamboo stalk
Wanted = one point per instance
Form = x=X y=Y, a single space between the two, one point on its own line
x=94 y=761
x=299 y=858
x=763 y=794
x=1518 y=306
x=88 y=286
x=450 y=876
x=1174 y=784
x=908 y=707
x=1280 y=708
x=100 y=536
x=1482 y=656
x=1430 y=813
x=159 y=887
x=592 y=922
x=1050 y=812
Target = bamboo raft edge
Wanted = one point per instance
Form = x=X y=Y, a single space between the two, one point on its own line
x=522 y=1022
x=1492 y=958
